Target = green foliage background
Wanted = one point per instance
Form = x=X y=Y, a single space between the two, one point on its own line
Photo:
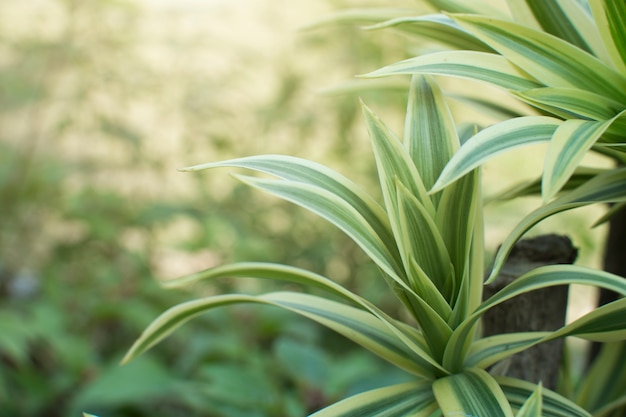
x=100 y=102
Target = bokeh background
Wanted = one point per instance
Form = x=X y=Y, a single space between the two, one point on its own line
x=100 y=102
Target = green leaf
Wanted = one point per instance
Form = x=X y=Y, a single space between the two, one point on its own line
x=338 y=212
x=604 y=381
x=418 y=238
x=355 y=324
x=429 y=133
x=517 y=393
x=570 y=143
x=436 y=27
x=394 y=164
x=482 y=66
x=532 y=188
x=604 y=188
x=495 y=140
x=604 y=324
x=571 y=103
x=413 y=399
x=552 y=61
x=610 y=19
x=308 y=172
x=489 y=350
x=564 y=19
x=553 y=275
x=533 y=405
x=300 y=276
x=471 y=393
x=457 y=220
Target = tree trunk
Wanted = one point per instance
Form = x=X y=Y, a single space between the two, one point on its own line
x=541 y=310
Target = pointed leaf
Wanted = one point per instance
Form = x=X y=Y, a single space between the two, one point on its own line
x=418 y=237
x=604 y=381
x=337 y=211
x=610 y=19
x=355 y=324
x=309 y=172
x=517 y=393
x=481 y=66
x=571 y=103
x=490 y=350
x=413 y=399
x=495 y=140
x=471 y=393
x=533 y=405
x=429 y=133
x=568 y=146
x=300 y=276
x=552 y=61
x=604 y=188
x=439 y=28
x=456 y=218
x=604 y=324
x=394 y=164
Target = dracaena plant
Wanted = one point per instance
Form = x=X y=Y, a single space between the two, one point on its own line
x=429 y=248
x=567 y=60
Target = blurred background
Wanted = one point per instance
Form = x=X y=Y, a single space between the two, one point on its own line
x=100 y=102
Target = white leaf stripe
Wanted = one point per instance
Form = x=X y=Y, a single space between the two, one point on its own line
x=482 y=66
x=568 y=146
x=411 y=399
x=357 y=325
x=337 y=211
x=309 y=172
x=429 y=133
x=260 y=270
x=437 y=27
x=471 y=393
x=603 y=188
x=394 y=164
x=554 y=405
x=489 y=350
x=495 y=140
x=571 y=102
x=552 y=61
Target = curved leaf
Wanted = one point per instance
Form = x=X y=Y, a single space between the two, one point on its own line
x=439 y=28
x=337 y=211
x=554 y=405
x=568 y=146
x=309 y=172
x=419 y=238
x=490 y=350
x=261 y=270
x=495 y=140
x=413 y=399
x=610 y=19
x=533 y=405
x=604 y=188
x=481 y=66
x=552 y=61
x=604 y=324
x=429 y=130
x=571 y=103
x=355 y=324
x=471 y=393
x=394 y=164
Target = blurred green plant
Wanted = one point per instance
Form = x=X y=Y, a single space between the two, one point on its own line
x=85 y=118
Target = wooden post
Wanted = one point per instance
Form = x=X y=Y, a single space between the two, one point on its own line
x=541 y=310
